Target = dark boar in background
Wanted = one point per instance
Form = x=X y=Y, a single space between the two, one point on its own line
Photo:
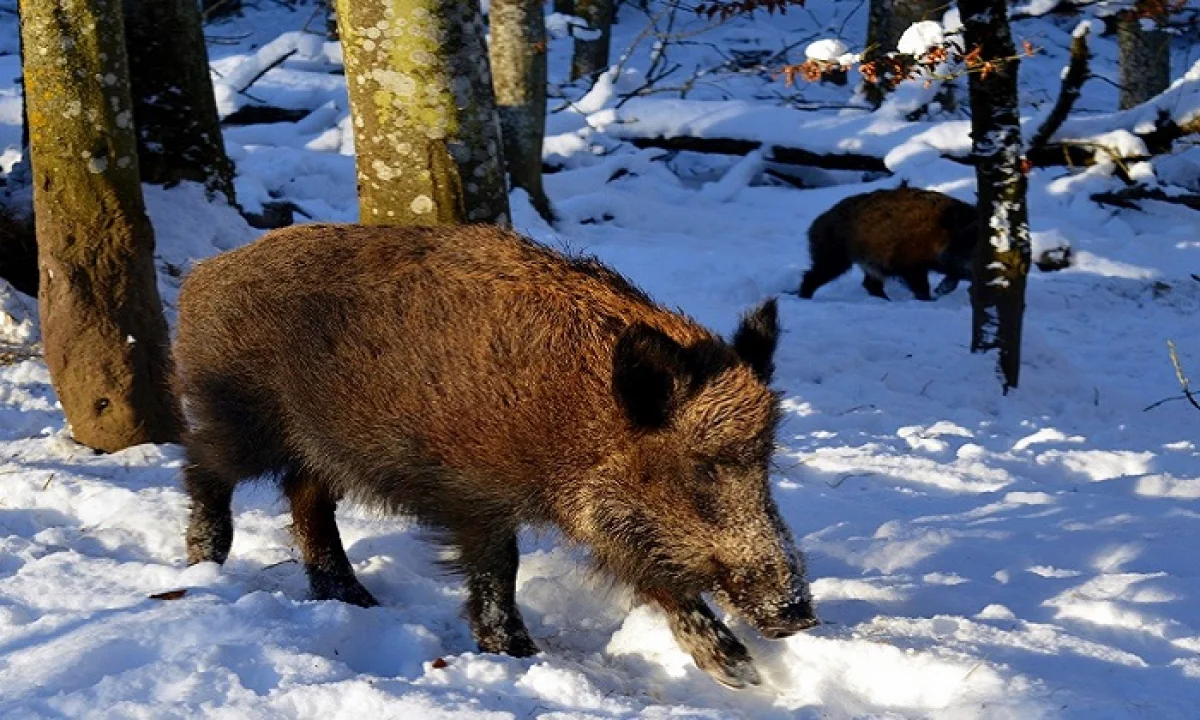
x=903 y=232
x=480 y=382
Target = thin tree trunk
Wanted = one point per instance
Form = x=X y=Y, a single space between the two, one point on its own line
x=518 y=53
x=331 y=26
x=426 y=134
x=886 y=22
x=18 y=246
x=179 y=134
x=591 y=53
x=1002 y=262
x=1145 y=55
x=103 y=330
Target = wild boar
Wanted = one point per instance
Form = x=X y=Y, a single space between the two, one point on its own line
x=480 y=382
x=902 y=232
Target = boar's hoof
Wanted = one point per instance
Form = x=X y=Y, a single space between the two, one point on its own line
x=729 y=663
x=347 y=590
x=517 y=644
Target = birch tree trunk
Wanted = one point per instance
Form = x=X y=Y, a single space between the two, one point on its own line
x=518 y=53
x=886 y=22
x=179 y=134
x=103 y=330
x=592 y=45
x=1144 y=55
x=426 y=134
x=1002 y=261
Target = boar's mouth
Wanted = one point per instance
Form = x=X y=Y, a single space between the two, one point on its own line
x=775 y=618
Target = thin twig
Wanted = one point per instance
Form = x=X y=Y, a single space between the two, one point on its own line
x=1183 y=381
x=269 y=67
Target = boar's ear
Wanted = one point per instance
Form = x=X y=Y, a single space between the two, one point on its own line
x=756 y=338
x=648 y=367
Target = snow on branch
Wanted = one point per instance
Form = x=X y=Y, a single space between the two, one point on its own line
x=1077 y=74
x=1159 y=121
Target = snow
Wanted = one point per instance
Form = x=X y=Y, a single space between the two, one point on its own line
x=920 y=37
x=828 y=50
x=973 y=555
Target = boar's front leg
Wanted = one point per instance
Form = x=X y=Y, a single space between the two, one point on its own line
x=315 y=528
x=713 y=646
x=918 y=282
x=489 y=562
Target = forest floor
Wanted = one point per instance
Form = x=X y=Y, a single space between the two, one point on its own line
x=973 y=555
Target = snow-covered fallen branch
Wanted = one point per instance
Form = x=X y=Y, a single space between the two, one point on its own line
x=1157 y=122
x=1072 y=84
x=775 y=153
x=1128 y=197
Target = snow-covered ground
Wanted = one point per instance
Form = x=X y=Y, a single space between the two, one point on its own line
x=973 y=555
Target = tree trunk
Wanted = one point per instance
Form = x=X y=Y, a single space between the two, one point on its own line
x=1145 y=55
x=18 y=246
x=998 y=291
x=103 y=330
x=518 y=53
x=591 y=53
x=331 y=27
x=179 y=134
x=426 y=134
x=886 y=22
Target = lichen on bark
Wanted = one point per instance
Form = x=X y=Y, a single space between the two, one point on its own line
x=103 y=330
x=426 y=133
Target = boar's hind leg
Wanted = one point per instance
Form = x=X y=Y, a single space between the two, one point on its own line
x=490 y=566
x=210 y=527
x=823 y=271
x=714 y=647
x=315 y=529
x=874 y=286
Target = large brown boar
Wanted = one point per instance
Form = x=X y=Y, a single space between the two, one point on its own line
x=480 y=382
x=903 y=232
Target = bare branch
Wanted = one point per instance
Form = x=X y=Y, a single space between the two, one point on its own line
x=1077 y=74
x=1183 y=381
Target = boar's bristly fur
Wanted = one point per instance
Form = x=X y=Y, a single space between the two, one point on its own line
x=480 y=382
x=902 y=232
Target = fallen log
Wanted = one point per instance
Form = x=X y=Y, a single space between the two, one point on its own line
x=1128 y=198
x=774 y=153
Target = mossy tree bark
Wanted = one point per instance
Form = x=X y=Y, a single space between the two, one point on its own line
x=518 y=53
x=103 y=330
x=886 y=22
x=590 y=56
x=1144 y=54
x=426 y=134
x=179 y=133
x=1002 y=262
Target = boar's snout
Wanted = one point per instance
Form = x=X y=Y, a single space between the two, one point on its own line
x=773 y=597
x=792 y=618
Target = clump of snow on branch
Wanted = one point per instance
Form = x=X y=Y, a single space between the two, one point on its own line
x=920 y=37
x=827 y=50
